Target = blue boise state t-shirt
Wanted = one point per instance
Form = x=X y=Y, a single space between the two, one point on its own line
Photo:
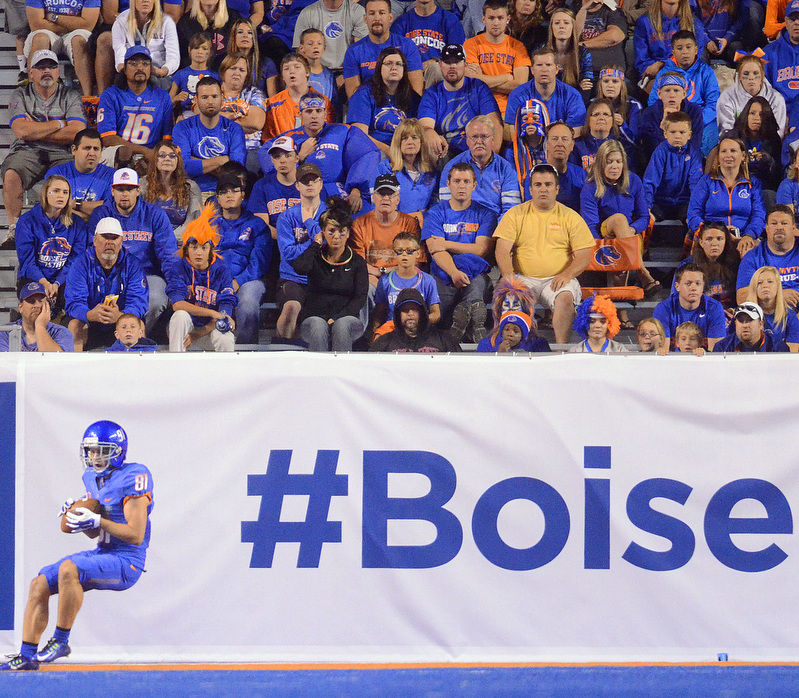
x=63 y=7
x=709 y=316
x=431 y=33
x=85 y=186
x=459 y=226
x=271 y=197
x=451 y=110
x=187 y=78
x=361 y=57
x=390 y=285
x=383 y=121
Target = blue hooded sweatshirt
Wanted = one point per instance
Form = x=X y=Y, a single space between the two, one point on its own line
x=46 y=248
x=211 y=288
x=782 y=67
x=294 y=236
x=148 y=234
x=245 y=246
x=671 y=174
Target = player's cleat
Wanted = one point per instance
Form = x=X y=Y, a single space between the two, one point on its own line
x=53 y=650
x=19 y=663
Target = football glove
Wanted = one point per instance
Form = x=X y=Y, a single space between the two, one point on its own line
x=83 y=519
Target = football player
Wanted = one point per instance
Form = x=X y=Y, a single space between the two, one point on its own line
x=123 y=532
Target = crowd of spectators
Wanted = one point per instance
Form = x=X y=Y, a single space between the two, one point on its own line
x=401 y=176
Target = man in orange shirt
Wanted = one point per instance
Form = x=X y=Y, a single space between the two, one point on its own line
x=373 y=233
x=497 y=59
x=282 y=109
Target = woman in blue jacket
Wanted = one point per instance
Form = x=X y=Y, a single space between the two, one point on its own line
x=613 y=203
x=410 y=162
x=49 y=238
x=728 y=194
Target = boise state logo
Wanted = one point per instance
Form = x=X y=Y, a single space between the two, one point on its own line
x=334 y=30
x=743 y=194
x=54 y=252
x=607 y=256
x=210 y=147
x=388 y=118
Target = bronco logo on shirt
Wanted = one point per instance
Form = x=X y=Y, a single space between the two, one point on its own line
x=54 y=252
x=333 y=30
x=210 y=147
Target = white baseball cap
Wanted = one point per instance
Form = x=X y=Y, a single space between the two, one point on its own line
x=108 y=226
x=284 y=143
x=43 y=55
x=126 y=177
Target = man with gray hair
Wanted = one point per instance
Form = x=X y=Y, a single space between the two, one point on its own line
x=497 y=183
x=45 y=117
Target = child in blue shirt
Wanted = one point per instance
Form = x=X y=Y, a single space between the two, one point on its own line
x=674 y=168
x=405 y=275
x=184 y=82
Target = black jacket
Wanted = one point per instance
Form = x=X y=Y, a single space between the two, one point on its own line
x=429 y=340
x=334 y=290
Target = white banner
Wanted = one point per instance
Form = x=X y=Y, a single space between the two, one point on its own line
x=444 y=508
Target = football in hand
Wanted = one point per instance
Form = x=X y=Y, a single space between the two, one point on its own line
x=91 y=504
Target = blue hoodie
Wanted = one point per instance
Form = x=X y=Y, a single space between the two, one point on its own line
x=211 y=288
x=742 y=207
x=148 y=234
x=650 y=49
x=294 y=236
x=671 y=174
x=703 y=88
x=632 y=205
x=46 y=248
x=782 y=67
x=245 y=246
x=88 y=284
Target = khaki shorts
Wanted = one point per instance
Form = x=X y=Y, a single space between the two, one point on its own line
x=542 y=288
x=31 y=163
x=62 y=45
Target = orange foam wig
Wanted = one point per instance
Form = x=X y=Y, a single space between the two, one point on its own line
x=203 y=229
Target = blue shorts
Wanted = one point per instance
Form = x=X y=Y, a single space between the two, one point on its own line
x=97 y=569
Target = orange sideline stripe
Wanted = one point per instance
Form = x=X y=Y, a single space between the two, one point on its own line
x=365 y=666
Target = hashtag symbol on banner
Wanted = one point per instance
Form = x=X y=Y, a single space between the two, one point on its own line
x=320 y=486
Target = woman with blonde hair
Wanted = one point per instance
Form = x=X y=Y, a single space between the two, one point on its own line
x=613 y=204
x=410 y=162
x=780 y=320
x=212 y=17
x=651 y=336
x=145 y=24
x=49 y=237
x=572 y=58
x=167 y=186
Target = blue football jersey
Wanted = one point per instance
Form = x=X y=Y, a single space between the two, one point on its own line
x=112 y=491
x=140 y=119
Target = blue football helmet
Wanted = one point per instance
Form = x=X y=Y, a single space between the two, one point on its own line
x=103 y=446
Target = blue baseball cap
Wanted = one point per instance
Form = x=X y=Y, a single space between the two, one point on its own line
x=31 y=289
x=792 y=8
x=137 y=50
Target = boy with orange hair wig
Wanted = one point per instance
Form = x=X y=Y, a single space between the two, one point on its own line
x=200 y=288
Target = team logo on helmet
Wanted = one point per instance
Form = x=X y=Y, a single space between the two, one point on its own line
x=607 y=256
x=388 y=118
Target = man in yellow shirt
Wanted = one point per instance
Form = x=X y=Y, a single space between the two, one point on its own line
x=548 y=244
